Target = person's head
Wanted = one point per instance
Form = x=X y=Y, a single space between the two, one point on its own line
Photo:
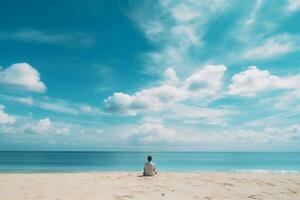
x=149 y=158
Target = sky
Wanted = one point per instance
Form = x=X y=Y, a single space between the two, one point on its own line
x=161 y=75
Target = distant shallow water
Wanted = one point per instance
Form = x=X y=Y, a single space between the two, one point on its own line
x=17 y=161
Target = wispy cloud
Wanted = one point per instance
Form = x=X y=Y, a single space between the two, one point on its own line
x=42 y=37
x=175 y=27
x=57 y=106
x=54 y=105
x=24 y=100
x=258 y=36
x=275 y=46
x=157 y=133
x=293 y=5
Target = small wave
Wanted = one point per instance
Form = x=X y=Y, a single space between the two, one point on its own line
x=267 y=171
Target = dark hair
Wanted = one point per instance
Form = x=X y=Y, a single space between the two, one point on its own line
x=149 y=158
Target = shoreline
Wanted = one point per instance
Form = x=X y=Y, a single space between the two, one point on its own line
x=166 y=185
x=259 y=171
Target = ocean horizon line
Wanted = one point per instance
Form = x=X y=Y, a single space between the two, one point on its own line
x=150 y=151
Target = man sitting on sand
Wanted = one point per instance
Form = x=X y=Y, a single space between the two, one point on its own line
x=149 y=167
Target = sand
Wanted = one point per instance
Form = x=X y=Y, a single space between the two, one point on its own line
x=166 y=185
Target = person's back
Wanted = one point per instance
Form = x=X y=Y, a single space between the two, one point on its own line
x=149 y=167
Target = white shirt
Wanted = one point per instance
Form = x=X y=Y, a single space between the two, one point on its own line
x=149 y=168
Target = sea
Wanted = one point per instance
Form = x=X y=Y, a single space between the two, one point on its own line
x=62 y=161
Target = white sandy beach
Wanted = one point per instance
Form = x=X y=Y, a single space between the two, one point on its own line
x=166 y=185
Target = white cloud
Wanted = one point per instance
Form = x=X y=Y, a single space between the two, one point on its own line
x=42 y=37
x=258 y=35
x=57 y=107
x=150 y=119
x=24 y=100
x=293 y=5
x=289 y=100
x=275 y=46
x=54 y=104
x=185 y=34
x=28 y=130
x=62 y=131
x=200 y=115
x=156 y=29
x=24 y=76
x=171 y=76
x=158 y=133
x=253 y=80
x=153 y=133
x=252 y=16
x=6 y=118
x=177 y=28
x=168 y=56
x=86 y=108
x=125 y=104
x=42 y=126
x=184 y=13
x=205 y=83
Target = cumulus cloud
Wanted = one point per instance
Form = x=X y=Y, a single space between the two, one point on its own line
x=205 y=83
x=42 y=126
x=24 y=76
x=6 y=118
x=27 y=125
x=253 y=80
x=125 y=104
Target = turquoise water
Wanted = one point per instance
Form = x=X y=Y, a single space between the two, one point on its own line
x=133 y=161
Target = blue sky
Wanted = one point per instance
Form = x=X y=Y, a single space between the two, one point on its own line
x=145 y=75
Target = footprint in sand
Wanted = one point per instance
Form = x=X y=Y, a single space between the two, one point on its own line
x=253 y=197
x=291 y=191
x=268 y=193
x=270 y=184
x=122 y=197
x=228 y=184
